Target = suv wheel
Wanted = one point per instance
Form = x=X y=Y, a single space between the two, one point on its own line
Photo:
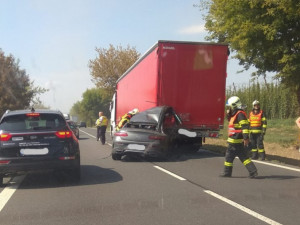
x=1 y=180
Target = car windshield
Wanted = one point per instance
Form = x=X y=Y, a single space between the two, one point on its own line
x=23 y=122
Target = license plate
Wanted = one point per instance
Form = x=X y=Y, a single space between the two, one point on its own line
x=136 y=147
x=34 y=151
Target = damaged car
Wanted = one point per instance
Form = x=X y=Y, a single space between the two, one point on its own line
x=150 y=133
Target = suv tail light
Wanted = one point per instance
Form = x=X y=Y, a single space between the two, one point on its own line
x=63 y=134
x=5 y=137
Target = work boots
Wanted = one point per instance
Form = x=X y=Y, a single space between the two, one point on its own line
x=262 y=155
x=227 y=171
x=252 y=170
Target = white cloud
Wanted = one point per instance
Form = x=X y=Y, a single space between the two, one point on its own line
x=194 y=29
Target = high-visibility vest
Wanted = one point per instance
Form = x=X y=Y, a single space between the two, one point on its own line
x=255 y=120
x=102 y=121
x=125 y=119
x=236 y=128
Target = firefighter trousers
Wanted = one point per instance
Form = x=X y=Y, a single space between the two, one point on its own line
x=257 y=145
x=238 y=150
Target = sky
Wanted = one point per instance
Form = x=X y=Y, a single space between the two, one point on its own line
x=55 y=39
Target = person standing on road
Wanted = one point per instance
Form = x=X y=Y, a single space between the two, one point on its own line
x=125 y=118
x=258 y=127
x=101 y=124
x=238 y=138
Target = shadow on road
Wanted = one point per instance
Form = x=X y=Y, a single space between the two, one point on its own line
x=277 y=177
x=90 y=175
x=175 y=156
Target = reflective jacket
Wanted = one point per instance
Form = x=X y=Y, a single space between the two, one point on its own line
x=238 y=128
x=125 y=119
x=102 y=121
x=258 y=122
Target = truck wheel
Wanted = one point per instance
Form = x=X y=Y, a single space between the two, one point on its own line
x=116 y=156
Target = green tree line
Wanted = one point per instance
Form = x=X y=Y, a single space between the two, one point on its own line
x=17 y=91
x=278 y=101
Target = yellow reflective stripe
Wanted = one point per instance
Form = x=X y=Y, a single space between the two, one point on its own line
x=254 y=150
x=228 y=164
x=261 y=150
x=255 y=131
x=235 y=141
x=247 y=161
x=245 y=131
x=264 y=126
x=242 y=122
x=263 y=119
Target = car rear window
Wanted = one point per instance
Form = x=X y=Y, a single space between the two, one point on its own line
x=34 y=121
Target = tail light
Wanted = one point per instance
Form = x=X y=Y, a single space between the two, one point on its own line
x=4 y=162
x=156 y=137
x=5 y=137
x=121 y=134
x=32 y=114
x=63 y=134
x=67 y=158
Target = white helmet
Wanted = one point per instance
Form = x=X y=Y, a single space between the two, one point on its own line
x=234 y=102
x=256 y=102
x=134 y=111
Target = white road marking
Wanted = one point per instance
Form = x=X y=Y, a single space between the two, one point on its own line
x=242 y=208
x=228 y=201
x=276 y=165
x=170 y=173
x=6 y=194
x=93 y=136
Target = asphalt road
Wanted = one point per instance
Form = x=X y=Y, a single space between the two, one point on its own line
x=183 y=190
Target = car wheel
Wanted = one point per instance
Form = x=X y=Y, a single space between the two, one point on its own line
x=1 y=180
x=116 y=156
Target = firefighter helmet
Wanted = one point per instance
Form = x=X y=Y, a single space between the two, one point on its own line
x=134 y=111
x=256 y=102
x=234 y=102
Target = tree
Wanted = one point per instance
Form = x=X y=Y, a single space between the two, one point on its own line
x=94 y=100
x=264 y=33
x=16 y=90
x=110 y=64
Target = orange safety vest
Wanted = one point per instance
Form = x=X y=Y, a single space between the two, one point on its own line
x=234 y=128
x=255 y=119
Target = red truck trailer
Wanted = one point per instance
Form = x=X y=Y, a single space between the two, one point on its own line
x=189 y=76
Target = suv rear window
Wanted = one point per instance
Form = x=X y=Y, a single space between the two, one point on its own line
x=32 y=121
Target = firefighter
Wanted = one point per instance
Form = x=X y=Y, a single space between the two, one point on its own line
x=101 y=124
x=238 y=138
x=126 y=118
x=258 y=127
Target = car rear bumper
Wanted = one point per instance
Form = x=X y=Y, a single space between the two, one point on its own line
x=149 y=152
x=34 y=164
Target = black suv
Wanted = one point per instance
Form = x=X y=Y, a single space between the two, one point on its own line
x=32 y=140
